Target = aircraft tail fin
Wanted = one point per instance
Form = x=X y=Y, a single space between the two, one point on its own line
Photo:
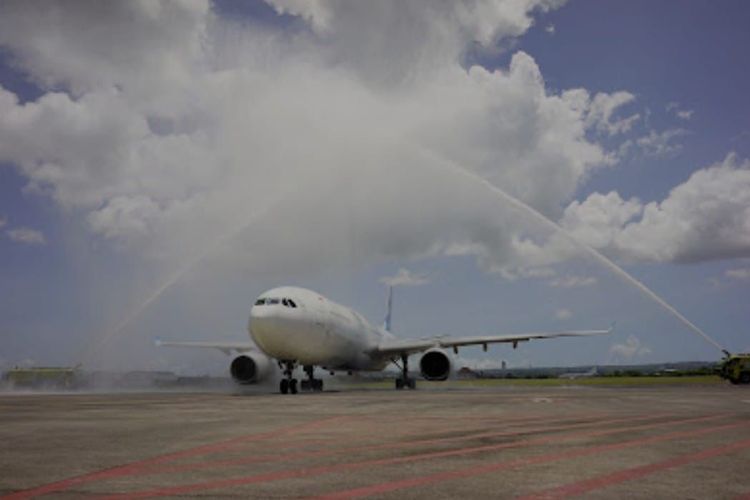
x=389 y=307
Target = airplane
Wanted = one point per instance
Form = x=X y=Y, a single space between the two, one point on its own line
x=293 y=326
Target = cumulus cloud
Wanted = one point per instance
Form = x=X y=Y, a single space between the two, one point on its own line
x=629 y=350
x=705 y=218
x=85 y=45
x=603 y=108
x=550 y=29
x=598 y=219
x=166 y=127
x=26 y=236
x=404 y=277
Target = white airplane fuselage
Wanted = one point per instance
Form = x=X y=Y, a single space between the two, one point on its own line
x=296 y=324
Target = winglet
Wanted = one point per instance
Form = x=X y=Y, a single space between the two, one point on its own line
x=389 y=306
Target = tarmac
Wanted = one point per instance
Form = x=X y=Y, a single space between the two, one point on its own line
x=448 y=441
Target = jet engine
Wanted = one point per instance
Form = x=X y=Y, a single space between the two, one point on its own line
x=435 y=364
x=250 y=368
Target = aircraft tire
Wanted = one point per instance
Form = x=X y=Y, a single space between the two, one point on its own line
x=319 y=385
x=293 y=386
x=411 y=383
x=399 y=384
x=284 y=386
x=745 y=378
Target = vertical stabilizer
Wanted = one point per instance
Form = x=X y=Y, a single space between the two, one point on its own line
x=389 y=305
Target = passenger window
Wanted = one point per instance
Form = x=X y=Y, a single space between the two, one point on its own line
x=260 y=302
x=291 y=303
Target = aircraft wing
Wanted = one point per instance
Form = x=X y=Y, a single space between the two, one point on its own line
x=408 y=346
x=225 y=347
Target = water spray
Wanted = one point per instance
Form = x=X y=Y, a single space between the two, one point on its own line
x=168 y=283
x=599 y=257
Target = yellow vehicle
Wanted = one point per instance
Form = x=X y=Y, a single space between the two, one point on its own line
x=41 y=377
x=736 y=368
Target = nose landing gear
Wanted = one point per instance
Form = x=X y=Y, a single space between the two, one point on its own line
x=288 y=385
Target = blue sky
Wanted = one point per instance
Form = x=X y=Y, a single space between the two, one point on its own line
x=288 y=148
x=693 y=55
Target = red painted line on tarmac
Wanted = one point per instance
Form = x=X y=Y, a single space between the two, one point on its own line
x=385 y=446
x=234 y=442
x=514 y=464
x=314 y=471
x=596 y=483
x=153 y=465
x=142 y=466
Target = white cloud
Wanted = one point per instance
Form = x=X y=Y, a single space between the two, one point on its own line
x=603 y=108
x=387 y=40
x=705 y=218
x=84 y=46
x=170 y=128
x=550 y=29
x=573 y=281
x=683 y=114
x=26 y=236
x=404 y=277
x=662 y=143
x=629 y=350
x=563 y=314
x=742 y=273
x=598 y=219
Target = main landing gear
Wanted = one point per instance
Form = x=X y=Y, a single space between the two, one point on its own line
x=404 y=380
x=288 y=385
x=312 y=383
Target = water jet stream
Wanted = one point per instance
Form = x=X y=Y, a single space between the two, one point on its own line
x=167 y=284
x=599 y=257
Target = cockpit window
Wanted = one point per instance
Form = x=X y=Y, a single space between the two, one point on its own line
x=274 y=301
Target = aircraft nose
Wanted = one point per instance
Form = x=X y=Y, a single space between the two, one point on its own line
x=262 y=320
x=259 y=315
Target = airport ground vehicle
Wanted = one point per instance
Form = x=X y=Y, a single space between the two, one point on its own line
x=58 y=377
x=736 y=368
